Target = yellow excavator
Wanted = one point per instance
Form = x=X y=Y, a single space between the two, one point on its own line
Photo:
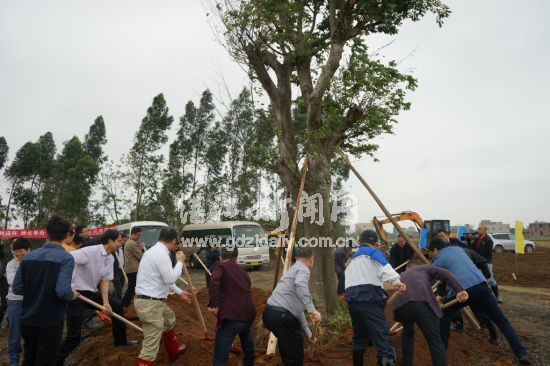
x=433 y=226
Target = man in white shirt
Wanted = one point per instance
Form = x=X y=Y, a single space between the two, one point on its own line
x=155 y=278
x=93 y=266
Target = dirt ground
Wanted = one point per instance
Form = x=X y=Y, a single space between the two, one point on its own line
x=525 y=303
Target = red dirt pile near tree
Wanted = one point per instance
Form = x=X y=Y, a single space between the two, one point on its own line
x=465 y=349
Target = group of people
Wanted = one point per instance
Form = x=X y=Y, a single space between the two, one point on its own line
x=463 y=269
x=47 y=287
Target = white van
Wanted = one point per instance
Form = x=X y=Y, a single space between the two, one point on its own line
x=150 y=230
x=254 y=255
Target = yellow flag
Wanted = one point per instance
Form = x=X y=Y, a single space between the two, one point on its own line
x=520 y=241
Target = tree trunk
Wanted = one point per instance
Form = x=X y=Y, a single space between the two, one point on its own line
x=9 y=204
x=323 y=277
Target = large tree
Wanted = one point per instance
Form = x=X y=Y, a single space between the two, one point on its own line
x=179 y=179
x=243 y=140
x=28 y=175
x=202 y=120
x=144 y=159
x=348 y=96
x=95 y=139
x=76 y=172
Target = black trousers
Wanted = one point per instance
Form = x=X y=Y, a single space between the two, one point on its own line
x=370 y=326
x=419 y=312
x=75 y=316
x=118 y=284
x=41 y=345
x=131 y=290
x=482 y=301
x=341 y=282
x=3 y=293
x=287 y=328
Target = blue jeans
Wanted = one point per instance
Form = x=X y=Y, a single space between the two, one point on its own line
x=14 y=331
x=224 y=339
x=370 y=325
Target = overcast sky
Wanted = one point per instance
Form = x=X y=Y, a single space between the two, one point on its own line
x=475 y=144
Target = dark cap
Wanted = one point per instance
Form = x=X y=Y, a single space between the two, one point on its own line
x=437 y=244
x=368 y=236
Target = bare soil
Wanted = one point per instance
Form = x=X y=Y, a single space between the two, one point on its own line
x=525 y=303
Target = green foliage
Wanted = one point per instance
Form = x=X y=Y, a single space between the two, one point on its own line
x=199 y=125
x=144 y=159
x=3 y=152
x=95 y=139
x=115 y=199
x=25 y=199
x=28 y=174
x=248 y=146
x=76 y=172
x=215 y=182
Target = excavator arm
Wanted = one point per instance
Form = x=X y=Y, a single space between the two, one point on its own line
x=405 y=215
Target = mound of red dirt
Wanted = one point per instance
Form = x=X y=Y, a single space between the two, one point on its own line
x=467 y=348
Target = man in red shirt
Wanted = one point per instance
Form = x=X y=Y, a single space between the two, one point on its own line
x=231 y=300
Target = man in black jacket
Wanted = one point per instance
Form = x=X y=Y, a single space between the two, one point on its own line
x=400 y=252
x=483 y=245
x=341 y=256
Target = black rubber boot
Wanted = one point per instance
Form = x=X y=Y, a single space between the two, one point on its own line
x=358 y=357
x=385 y=361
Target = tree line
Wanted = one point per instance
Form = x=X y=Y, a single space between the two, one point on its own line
x=211 y=167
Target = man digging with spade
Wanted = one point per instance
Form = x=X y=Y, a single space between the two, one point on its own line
x=154 y=278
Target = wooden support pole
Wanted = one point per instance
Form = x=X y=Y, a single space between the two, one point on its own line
x=184 y=281
x=449 y=304
x=114 y=315
x=386 y=212
x=196 y=302
x=272 y=343
x=202 y=263
x=401 y=265
x=467 y=312
x=395 y=326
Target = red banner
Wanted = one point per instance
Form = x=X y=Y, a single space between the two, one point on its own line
x=41 y=233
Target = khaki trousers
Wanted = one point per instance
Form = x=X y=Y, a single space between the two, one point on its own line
x=156 y=318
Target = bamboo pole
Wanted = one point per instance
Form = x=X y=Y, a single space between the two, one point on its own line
x=386 y=212
x=466 y=310
x=114 y=315
x=471 y=318
x=401 y=265
x=395 y=326
x=196 y=302
x=202 y=263
x=449 y=304
x=272 y=343
x=184 y=281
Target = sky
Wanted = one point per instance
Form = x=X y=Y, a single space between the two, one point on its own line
x=473 y=146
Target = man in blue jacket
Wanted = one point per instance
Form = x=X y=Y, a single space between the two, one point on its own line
x=44 y=280
x=367 y=299
x=480 y=298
